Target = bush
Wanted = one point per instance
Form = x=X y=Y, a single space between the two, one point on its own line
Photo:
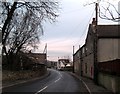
x=21 y=75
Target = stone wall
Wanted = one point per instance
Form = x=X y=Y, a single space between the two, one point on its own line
x=111 y=82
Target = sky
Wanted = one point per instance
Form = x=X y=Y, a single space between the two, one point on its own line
x=70 y=29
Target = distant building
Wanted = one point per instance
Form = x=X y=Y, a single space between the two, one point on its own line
x=62 y=63
x=52 y=64
x=33 y=60
x=39 y=58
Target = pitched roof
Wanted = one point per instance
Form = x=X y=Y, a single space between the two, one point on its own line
x=108 y=31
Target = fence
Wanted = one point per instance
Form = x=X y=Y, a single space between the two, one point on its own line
x=111 y=67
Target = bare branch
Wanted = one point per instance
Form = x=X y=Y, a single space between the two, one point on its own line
x=108 y=14
x=22 y=23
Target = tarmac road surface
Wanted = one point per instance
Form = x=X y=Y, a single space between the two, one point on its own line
x=57 y=81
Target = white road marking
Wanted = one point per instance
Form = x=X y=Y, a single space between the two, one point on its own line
x=83 y=83
x=50 y=84
x=86 y=86
x=41 y=90
x=57 y=80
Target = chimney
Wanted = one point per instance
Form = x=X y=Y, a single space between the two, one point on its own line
x=94 y=25
x=94 y=22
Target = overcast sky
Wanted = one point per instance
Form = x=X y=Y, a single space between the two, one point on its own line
x=70 y=29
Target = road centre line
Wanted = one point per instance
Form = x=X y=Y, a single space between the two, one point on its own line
x=50 y=84
x=57 y=80
x=41 y=90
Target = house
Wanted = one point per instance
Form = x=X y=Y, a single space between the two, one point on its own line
x=52 y=64
x=39 y=58
x=33 y=60
x=62 y=63
x=100 y=55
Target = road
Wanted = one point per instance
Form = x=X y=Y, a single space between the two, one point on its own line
x=57 y=81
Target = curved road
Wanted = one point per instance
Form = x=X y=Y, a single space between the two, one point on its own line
x=57 y=81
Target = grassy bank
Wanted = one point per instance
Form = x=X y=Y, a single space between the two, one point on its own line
x=21 y=75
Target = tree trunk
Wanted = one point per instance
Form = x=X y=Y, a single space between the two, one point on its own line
x=7 y=21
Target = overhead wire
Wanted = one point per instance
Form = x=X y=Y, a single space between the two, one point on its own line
x=85 y=29
x=75 y=29
x=71 y=33
x=76 y=10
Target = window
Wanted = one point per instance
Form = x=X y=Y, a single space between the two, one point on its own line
x=78 y=54
x=85 y=67
x=83 y=50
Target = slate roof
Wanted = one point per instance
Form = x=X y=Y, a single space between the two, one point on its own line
x=108 y=31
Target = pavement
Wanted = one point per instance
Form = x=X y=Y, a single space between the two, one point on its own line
x=92 y=87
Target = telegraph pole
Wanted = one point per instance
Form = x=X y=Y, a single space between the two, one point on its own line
x=73 y=59
x=96 y=9
x=95 y=47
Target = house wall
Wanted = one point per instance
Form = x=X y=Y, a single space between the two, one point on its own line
x=111 y=82
x=77 y=67
x=88 y=56
x=58 y=65
x=77 y=63
x=108 y=49
x=84 y=65
x=88 y=66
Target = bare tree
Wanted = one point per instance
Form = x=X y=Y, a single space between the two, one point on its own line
x=25 y=32
x=21 y=23
x=109 y=12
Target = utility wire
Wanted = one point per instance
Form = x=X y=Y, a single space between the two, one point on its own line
x=73 y=11
x=72 y=33
x=85 y=29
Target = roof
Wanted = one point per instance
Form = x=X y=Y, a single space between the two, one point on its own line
x=108 y=31
x=38 y=57
x=103 y=31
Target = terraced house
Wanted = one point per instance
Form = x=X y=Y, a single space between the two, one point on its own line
x=99 y=57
